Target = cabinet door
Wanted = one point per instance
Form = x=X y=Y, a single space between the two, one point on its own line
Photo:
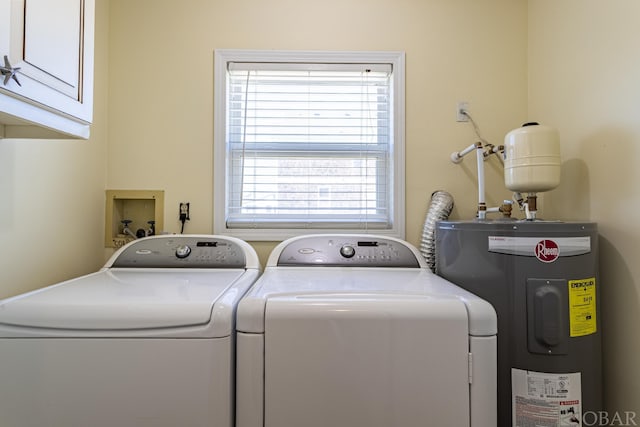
x=54 y=61
x=51 y=41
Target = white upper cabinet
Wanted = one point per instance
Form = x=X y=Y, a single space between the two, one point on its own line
x=46 y=86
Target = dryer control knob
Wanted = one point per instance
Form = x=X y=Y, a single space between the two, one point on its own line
x=183 y=251
x=347 y=251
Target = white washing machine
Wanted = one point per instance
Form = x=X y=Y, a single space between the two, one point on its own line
x=146 y=341
x=355 y=330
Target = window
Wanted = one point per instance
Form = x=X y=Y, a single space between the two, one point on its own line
x=308 y=142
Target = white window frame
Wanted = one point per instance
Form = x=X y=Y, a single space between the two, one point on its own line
x=223 y=57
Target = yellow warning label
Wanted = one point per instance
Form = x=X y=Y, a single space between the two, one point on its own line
x=582 y=307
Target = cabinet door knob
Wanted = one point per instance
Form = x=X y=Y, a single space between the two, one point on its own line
x=9 y=72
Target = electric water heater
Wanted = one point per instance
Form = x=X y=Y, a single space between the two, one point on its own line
x=542 y=279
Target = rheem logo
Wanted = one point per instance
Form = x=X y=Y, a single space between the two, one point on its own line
x=547 y=251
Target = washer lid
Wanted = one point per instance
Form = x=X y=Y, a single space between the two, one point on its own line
x=123 y=300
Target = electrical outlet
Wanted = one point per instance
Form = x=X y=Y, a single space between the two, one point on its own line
x=184 y=215
x=461 y=108
x=184 y=211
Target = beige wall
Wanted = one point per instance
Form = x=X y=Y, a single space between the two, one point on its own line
x=52 y=197
x=584 y=79
x=161 y=85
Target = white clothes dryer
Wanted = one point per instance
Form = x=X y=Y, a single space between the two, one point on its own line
x=355 y=330
x=147 y=341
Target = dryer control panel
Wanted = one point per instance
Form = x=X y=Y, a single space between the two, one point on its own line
x=348 y=250
x=181 y=251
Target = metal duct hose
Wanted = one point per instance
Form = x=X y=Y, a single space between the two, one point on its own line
x=439 y=209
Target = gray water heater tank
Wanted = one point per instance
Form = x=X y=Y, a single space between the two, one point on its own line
x=542 y=279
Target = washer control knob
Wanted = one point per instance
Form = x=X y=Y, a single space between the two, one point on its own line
x=183 y=251
x=347 y=251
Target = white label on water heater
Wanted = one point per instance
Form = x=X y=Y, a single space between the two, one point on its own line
x=546 y=249
x=545 y=400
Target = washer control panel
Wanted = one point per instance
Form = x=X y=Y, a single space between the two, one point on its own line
x=353 y=251
x=181 y=252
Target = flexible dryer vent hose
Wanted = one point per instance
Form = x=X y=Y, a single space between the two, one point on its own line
x=439 y=209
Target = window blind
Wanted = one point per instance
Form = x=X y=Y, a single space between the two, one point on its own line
x=309 y=145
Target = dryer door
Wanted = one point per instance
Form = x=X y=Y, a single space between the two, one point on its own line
x=366 y=360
